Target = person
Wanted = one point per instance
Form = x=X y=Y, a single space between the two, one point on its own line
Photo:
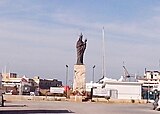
x=81 y=46
x=156 y=104
x=158 y=107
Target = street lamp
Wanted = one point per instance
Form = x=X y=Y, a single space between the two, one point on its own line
x=66 y=80
x=93 y=73
x=148 y=91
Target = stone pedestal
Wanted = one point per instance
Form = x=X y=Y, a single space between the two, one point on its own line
x=78 y=98
x=79 y=78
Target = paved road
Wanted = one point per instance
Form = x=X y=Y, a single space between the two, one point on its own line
x=41 y=107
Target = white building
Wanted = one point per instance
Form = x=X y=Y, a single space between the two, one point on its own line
x=150 y=80
x=116 y=89
x=12 y=84
x=152 y=75
x=124 y=90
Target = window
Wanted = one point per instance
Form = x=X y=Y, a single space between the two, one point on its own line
x=151 y=75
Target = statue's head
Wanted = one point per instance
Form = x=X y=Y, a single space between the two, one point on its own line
x=81 y=36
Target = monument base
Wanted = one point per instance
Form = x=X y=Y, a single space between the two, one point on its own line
x=79 y=79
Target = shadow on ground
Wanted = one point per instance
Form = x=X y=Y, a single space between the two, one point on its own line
x=33 y=111
x=15 y=106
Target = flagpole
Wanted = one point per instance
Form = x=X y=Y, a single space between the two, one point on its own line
x=159 y=64
x=103 y=54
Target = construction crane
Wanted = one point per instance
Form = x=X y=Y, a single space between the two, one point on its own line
x=126 y=74
x=128 y=77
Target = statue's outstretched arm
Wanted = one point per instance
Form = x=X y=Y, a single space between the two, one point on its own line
x=85 y=40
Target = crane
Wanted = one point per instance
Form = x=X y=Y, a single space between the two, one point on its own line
x=126 y=74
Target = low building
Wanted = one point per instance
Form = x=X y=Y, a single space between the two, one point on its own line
x=47 y=83
x=116 y=89
x=151 y=84
x=12 y=84
x=150 y=80
x=43 y=85
x=124 y=90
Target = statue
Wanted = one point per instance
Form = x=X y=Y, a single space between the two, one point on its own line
x=81 y=46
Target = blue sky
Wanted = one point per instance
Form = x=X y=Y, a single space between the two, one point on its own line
x=38 y=36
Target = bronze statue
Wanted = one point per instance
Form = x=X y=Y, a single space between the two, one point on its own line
x=81 y=46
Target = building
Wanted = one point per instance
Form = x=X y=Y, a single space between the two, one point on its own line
x=150 y=79
x=43 y=85
x=47 y=83
x=9 y=75
x=12 y=84
x=151 y=83
x=116 y=89
x=152 y=75
x=124 y=90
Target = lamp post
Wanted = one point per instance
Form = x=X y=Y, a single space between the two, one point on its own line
x=66 y=80
x=93 y=73
x=148 y=91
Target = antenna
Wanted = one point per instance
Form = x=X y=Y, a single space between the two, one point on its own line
x=5 y=69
